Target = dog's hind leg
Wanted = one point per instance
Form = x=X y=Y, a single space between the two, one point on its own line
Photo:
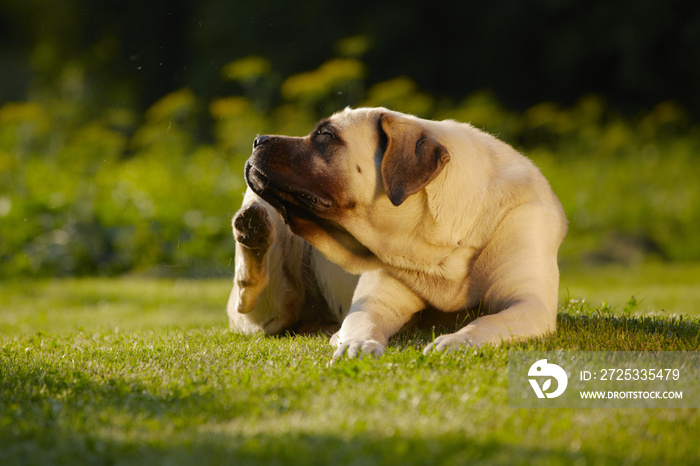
x=255 y=234
x=269 y=287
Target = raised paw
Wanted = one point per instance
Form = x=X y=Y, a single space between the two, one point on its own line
x=253 y=228
x=450 y=342
x=356 y=348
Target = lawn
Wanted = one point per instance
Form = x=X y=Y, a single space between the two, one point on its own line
x=143 y=371
x=657 y=287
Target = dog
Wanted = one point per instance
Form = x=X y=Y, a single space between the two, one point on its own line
x=376 y=216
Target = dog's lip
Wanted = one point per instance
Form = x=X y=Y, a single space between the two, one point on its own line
x=261 y=184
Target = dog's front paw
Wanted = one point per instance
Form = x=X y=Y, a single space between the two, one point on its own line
x=355 y=348
x=451 y=342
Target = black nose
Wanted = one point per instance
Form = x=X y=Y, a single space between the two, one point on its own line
x=260 y=140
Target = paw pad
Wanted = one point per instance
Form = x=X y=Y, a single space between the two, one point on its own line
x=252 y=227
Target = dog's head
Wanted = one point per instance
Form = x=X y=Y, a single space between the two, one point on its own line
x=356 y=169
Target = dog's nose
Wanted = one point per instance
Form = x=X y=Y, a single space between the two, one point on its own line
x=260 y=140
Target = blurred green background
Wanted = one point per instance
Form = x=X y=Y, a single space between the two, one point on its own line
x=124 y=125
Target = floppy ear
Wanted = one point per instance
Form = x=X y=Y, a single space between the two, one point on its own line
x=411 y=159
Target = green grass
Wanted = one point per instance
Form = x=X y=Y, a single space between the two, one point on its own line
x=129 y=304
x=664 y=288
x=135 y=371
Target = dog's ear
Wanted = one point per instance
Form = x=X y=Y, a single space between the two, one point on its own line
x=411 y=159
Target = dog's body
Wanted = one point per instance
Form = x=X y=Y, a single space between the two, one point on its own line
x=428 y=214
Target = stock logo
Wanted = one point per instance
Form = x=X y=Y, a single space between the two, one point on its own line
x=543 y=369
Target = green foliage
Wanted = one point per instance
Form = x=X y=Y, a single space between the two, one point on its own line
x=94 y=200
x=113 y=192
x=400 y=94
x=134 y=371
x=317 y=89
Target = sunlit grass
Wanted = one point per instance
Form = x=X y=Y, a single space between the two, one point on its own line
x=139 y=303
x=127 y=304
x=665 y=288
x=143 y=371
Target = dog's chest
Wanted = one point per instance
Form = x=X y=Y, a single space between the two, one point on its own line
x=443 y=284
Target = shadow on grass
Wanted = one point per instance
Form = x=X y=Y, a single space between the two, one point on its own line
x=62 y=445
x=50 y=419
x=601 y=332
x=593 y=331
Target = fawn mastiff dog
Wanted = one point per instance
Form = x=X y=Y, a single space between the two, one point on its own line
x=377 y=215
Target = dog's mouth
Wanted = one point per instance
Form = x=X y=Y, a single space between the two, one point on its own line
x=281 y=197
x=296 y=204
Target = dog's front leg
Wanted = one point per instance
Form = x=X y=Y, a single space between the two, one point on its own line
x=381 y=306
